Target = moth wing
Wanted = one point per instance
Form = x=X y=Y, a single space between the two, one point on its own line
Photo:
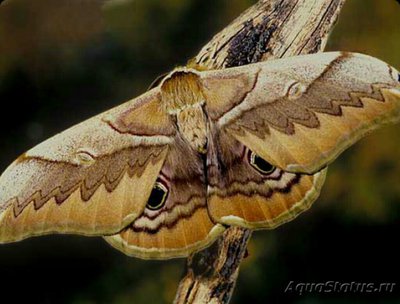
x=240 y=194
x=300 y=113
x=182 y=224
x=93 y=179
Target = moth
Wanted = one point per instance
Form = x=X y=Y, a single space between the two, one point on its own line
x=164 y=174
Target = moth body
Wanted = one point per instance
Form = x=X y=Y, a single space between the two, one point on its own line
x=183 y=99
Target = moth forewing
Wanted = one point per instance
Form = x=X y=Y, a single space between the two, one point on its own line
x=92 y=179
x=302 y=112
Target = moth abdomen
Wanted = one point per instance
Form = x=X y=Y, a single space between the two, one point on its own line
x=192 y=125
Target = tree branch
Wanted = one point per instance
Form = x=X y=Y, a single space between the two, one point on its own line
x=269 y=29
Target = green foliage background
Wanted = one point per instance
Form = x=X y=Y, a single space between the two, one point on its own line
x=66 y=60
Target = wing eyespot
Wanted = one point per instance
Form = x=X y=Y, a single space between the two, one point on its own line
x=84 y=158
x=295 y=90
x=158 y=197
x=261 y=165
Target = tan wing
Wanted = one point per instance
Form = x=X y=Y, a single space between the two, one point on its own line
x=180 y=224
x=93 y=179
x=245 y=190
x=300 y=113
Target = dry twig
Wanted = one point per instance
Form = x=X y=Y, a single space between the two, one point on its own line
x=269 y=29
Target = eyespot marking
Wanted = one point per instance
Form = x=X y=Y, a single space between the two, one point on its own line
x=84 y=157
x=158 y=196
x=295 y=90
x=261 y=165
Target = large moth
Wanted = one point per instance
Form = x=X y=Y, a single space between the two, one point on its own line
x=162 y=175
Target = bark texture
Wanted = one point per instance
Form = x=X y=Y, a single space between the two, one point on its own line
x=269 y=29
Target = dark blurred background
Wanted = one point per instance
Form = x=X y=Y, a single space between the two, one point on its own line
x=66 y=60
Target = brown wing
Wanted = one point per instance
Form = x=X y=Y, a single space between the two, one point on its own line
x=300 y=113
x=92 y=179
x=179 y=224
x=245 y=190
